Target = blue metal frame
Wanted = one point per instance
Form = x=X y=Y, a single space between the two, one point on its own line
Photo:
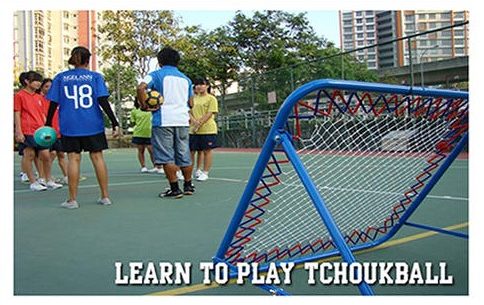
x=436 y=229
x=278 y=135
x=320 y=206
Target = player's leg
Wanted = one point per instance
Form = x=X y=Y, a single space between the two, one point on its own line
x=149 y=148
x=183 y=158
x=162 y=140
x=195 y=153
x=46 y=164
x=27 y=160
x=72 y=146
x=39 y=166
x=23 y=173
x=101 y=170
x=61 y=160
x=141 y=154
x=199 y=160
x=73 y=170
x=95 y=145
x=209 y=142
x=207 y=161
x=53 y=155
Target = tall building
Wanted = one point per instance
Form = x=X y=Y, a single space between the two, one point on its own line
x=389 y=28
x=364 y=28
x=440 y=45
x=358 y=29
x=88 y=34
x=43 y=40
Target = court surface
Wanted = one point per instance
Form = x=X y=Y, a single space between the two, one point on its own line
x=72 y=252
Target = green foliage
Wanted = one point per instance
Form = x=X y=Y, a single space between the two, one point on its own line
x=266 y=51
x=136 y=36
x=122 y=77
x=213 y=55
x=121 y=81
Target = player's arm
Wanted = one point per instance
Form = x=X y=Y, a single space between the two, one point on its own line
x=212 y=109
x=103 y=102
x=205 y=118
x=19 y=135
x=190 y=102
x=50 y=113
x=141 y=94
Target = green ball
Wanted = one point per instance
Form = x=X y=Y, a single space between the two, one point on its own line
x=45 y=136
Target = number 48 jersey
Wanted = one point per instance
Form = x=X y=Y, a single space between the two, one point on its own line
x=77 y=92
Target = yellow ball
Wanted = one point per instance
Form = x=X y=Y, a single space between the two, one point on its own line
x=153 y=99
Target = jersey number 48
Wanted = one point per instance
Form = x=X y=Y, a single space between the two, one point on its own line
x=82 y=95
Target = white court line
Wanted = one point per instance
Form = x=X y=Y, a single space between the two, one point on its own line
x=240 y=181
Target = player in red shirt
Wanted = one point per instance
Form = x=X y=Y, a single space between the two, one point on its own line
x=56 y=149
x=29 y=115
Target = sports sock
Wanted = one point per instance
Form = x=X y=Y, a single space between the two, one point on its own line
x=174 y=186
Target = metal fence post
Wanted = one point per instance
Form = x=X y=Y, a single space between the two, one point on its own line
x=254 y=143
x=410 y=58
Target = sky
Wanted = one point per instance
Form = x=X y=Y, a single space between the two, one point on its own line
x=325 y=23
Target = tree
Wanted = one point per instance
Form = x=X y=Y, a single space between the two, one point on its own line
x=273 y=39
x=213 y=55
x=122 y=82
x=136 y=36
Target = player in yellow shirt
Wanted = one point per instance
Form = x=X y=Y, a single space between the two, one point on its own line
x=203 y=128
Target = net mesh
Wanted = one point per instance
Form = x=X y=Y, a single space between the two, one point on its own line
x=369 y=156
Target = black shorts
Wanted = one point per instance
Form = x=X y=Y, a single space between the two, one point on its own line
x=92 y=143
x=57 y=146
x=141 y=141
x=29 y=142
x=200 y=142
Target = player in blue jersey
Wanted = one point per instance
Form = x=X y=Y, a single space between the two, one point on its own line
x=80 y=94
x=169 y=134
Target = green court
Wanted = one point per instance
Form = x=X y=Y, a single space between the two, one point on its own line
x=72 y=252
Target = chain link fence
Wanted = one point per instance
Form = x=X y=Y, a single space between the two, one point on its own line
x=246 y=115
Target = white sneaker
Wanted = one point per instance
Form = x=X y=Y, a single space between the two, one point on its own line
x=104 y=201
x=179 y=175
x=198 y=173
x=51 y=184
x=62 y=180
x=37 y=187
x=144 y=170
x=203 y=176
x=41 y=181
x=157 y=170
x=70 y=204
x=24 y=178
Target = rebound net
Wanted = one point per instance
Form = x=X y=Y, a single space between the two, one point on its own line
x=372 y=153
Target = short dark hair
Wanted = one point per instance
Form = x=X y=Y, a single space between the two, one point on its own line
x=21 y=78
x=200 y=81
x=45 y=81
x=168 y=57
x=79 y=56
x=29 y=76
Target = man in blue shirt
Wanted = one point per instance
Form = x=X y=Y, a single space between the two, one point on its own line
x=169 y=135
x=80 y=94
